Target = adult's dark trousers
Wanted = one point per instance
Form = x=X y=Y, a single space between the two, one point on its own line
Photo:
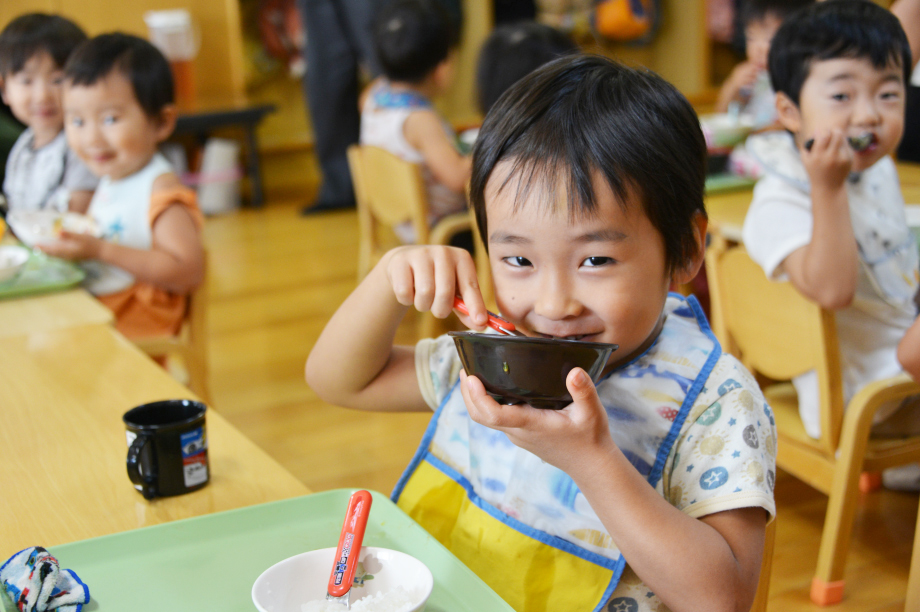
x=338 y=42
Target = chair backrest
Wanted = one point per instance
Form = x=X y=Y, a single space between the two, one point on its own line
x=389 y=191
x=774 y=330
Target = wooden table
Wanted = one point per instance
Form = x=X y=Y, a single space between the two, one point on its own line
x=63 y=446
x=50 y=312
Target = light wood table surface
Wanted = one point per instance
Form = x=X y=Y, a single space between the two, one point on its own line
x=63 y=446
x=51 y=311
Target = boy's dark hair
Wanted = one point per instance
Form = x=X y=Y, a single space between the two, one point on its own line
x=857 y=29
x=411 y=37
x=33 y=33
x=757 y=10
x=513 y=51
x=138 y=60
x=584 y=114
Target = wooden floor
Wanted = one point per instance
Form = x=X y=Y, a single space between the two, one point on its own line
x=277 y=277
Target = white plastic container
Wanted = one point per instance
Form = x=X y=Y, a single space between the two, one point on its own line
x=176 y=35
x=219 y=177
x=173 y=33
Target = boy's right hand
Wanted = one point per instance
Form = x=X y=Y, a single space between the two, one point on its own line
x=743 y=75
x=827 y=160
x=428 y=277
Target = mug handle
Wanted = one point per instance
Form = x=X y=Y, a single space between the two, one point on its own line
x=148 y=480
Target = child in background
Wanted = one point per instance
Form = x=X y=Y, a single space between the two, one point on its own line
x=829 y=215
x=118 y=106
x=513 y=51
x=41 y=171
x=652 y=489
x=414 y=41
x=748 y=86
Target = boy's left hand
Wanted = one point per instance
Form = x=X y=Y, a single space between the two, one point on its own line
x=73 y=246
x=563 y=438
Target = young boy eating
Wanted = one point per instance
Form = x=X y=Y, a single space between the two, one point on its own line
x=652 y=488
x=829 y=215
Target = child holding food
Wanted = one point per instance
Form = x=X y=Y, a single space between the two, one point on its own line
x=118 y=106
x=652 y=488
x=41 y=171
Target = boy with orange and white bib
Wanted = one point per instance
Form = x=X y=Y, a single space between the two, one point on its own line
x=118 y=107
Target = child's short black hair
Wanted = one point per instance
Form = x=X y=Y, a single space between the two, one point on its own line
x=581 y=115
x=757 y=10
x=857 y=29
x=411 y=37
x=138 y=60
x=34 y=33
x=513 y=51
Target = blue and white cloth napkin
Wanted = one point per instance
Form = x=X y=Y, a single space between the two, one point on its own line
x=35 y=582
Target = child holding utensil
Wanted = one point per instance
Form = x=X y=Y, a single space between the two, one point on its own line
x=41 y=171
x=829 y=215
x=414 y=40
x=747 y=88
x=652 y=488
x=118 y=107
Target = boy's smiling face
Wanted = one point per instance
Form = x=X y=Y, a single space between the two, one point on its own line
x=597 y=278
x=34 y=96
x=109 y=130
x=852 y=96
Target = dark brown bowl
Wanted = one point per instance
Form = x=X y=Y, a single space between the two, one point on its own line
x=523 y=370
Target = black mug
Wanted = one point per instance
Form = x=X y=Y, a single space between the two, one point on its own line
x=167 y=447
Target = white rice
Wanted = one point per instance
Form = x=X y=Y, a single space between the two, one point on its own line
x=397 y=600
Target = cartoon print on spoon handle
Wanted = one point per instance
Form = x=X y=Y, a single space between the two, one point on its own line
x=349 y=548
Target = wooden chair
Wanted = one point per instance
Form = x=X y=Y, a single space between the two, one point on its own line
x=779 y=334
x=766 y=569
x=191 y=343
x=391 y=191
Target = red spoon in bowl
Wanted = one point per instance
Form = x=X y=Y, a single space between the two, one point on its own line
x=349 y=549
x=495 y=322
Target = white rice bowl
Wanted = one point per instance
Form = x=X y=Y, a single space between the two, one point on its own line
x=43 y=226
x=392 y=582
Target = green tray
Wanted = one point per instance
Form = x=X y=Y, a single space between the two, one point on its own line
x=211 y=562
x=42 y=274
x=724 y=182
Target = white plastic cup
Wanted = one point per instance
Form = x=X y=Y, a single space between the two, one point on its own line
x=173 y=33
x=219 y=178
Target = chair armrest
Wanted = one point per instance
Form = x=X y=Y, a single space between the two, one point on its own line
x=157 y=345
x=862 y=408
